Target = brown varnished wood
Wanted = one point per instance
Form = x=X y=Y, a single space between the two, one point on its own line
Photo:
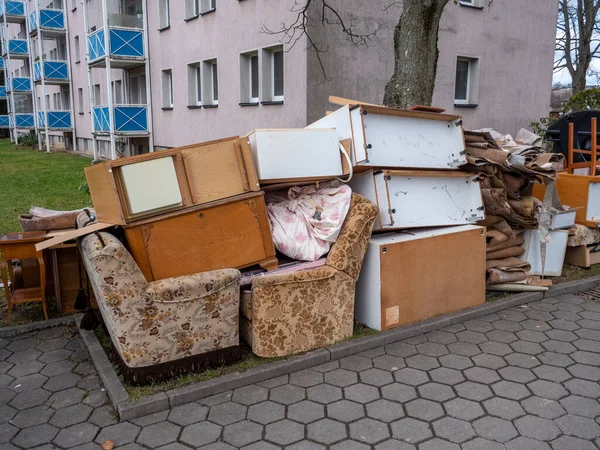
x=105 y=197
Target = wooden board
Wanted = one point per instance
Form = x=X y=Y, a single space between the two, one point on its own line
x=231 y=233
x=67 y=269
x=103 y=191
x=73 y=235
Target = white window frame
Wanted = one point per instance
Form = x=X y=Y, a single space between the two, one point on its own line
x=77 y=49
x=465 y=101
x=194 y=72
x=207 y=6
x=164 y=14
x=276 y=98
x=251 y=79
x=167 y=84
x=117 y=88
x=246 y=77
x=192 y=8
x=80 y=100
x=214 y=73
x=97 y=95
x=473 y=75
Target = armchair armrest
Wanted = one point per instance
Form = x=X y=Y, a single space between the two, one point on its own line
x=191 y=287
x=304 y=276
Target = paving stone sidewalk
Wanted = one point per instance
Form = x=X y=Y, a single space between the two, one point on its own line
x=526 y=378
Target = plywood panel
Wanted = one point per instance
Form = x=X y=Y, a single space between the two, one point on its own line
x=423 y=278
x=104 y=194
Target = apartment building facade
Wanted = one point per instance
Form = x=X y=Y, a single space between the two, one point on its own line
x=144 y=75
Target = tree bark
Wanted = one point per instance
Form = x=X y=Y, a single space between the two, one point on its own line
x=416 y=54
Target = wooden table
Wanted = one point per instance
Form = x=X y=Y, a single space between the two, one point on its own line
x=22 y=246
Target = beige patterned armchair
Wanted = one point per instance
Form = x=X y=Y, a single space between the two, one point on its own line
x=297 y=312
x=164 y=327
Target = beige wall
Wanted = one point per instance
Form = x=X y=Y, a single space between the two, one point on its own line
x=513 y=39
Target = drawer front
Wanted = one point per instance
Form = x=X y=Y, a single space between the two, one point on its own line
x=19 y=251
x=233 y=235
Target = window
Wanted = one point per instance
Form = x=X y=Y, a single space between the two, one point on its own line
x=73 y=4
x=77 y=50
x=192 y=8
x=473 y=3
x=47 y=105
x=167 y=85
x=250 y=78
x=96 y=95
x=210 y=83
x=214 y=83
x=466 y=87
x=273 y=74
x=80 y=100
x=137 y=90
x=117 y=88
x=207 y=6
x=164 y=11
x=194 y=84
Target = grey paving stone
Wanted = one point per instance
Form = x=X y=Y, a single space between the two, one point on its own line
x=401 y=349
x=453 y=430
x=422 y=362
x=472 y=337
x=543 y=407
x=464 y=349
x=55 y=344
x=33 y=416
x=527 y=347
x=356 y=363
x=522 y=360
x=463 y=409
x=265 y=412
x=120 y=433
x=578 y=426
x=441 y=337
x=504 y=337
x=71 y=416
x=325 y=393
x=227 y=413
x=287 y=394
x=525 y=443
x=432 y=349
x=438 y=444
x=388 y=362
x=151 y=419
x=307 y=445
x=61 y=382
x=482 y=375
x=200 y=433
x=517 y=374
x=537 y=315
x=57 y=368
x=572 y=443
x=369 y=431
x=6 y=395
x=552 y=373
x=84 y=368
x=584 y=388
x=478 y=325
x=284 y=432
x=79 y=434
x=5 y=367
x=96 y=398
x=349 y=445
x=376 y=377
x=306 y=378
x=23 y=356
x=410 y=430
x=424 y=409
x=306 y=411
x=483 y=444
x=7 y=413
x=446 y=375
x=581 y=406
x=508 y=389
x=385 y=410
x=187 y=414
x=249 y=395
x=436 y=391
x=65 y=398
x=7 y=432
x=547 y=389
x=453 y=361
x=495 y=348
x=535 y=325
x=345 y=411
x=588 y=323
x=555 y=359
x=260 y=446
x=27 y=368
x=560 y=324
x=242 y=433
x=495 y=429
x=507 y=325
x=28 y=382
x=361 y=393
x=372 y=353
x=412 y=377
x=561 y=335
x=503 y=408
x=537 y=428
x=584 y=371
x=341 y=377
x=278 y=381
x=103 y=416
x=586 y=345
x=55 y=356
x=21 y=344
x=473 y=391
x=213 y=446
x=399 y=392
x=558 y=346
x=34 y=436
x=393 y=444
x=29 y=399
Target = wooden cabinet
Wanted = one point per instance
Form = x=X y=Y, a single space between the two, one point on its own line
x=407 y=278
x=394 y=138
x=232 y=233
x=412 y=199
x=131 y=189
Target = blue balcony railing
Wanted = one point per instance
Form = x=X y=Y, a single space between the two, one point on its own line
x=2 y=91
x=14 y=11
x=57 y=120
x=18 y=84
x=46 y=19
x=4 y=122
x=57 y=71
x=124 y=43
x=1 y=63
x=21 y=121
x=128 y=119
x=18 y=48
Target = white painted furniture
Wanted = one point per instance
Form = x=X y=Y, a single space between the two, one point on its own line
x=555 y=252
x=413 y=199
x=393 y=138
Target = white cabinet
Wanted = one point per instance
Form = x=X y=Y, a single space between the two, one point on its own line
x=412 y=199
x=555 y=252
x=392 y=138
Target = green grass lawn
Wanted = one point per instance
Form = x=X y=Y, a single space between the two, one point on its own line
x=31 y=178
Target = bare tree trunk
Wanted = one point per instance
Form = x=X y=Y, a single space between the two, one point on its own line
x=416 y=54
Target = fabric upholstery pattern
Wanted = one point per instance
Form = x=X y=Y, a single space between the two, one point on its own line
x=162 y=321
x=300 y=311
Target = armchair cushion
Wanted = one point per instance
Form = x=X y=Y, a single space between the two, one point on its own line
x=191 y=287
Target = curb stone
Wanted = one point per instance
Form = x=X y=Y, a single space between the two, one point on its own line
x=34 y=326
x=129 y=410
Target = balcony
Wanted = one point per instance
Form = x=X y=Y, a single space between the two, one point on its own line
x=19 y=84
x=52 y=72
x=127 y=119
x=4 y=122
x=2 y=92
x=47 y=20
x=1 y=63
x=13 y=10
x=21 y=121
x=15 y=48
x=56 y=120
x=126 y=47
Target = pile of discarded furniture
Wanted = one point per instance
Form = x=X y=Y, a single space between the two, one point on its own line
x=287 y=237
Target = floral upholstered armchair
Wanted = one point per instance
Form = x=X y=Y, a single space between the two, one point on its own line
x=163 y=327
x=297 y=312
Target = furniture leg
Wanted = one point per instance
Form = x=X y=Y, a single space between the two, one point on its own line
x=270 y=264
x=6 y=290
x=43 y=284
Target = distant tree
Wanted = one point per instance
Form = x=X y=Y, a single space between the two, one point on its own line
x=577 y=39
